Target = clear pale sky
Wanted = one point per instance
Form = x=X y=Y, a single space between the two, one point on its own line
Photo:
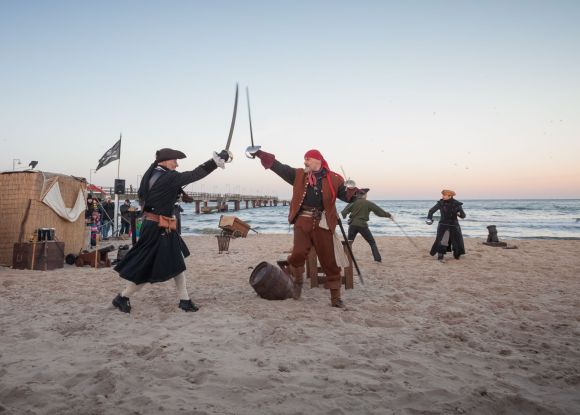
x=409 y=97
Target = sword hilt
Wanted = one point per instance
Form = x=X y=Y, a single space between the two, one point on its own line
x=251 y=151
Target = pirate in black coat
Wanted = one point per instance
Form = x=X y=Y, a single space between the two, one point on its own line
x=159 y=254
x=449 y=237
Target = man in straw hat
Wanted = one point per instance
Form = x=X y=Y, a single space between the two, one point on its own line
x=359 y=211
x=449 y=237
x=313 y=214
x=159 y=253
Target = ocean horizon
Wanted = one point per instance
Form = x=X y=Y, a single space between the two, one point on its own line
x=514 y=218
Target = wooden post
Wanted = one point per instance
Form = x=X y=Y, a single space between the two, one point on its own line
x=33 y=254
x=348 y=274
x=97 y=250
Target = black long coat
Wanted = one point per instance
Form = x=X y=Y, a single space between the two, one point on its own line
x=450 y=210
x=159 y=255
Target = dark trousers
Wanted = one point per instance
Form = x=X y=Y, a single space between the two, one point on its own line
x=125 y=226
x=368 y=236
x=308 y=234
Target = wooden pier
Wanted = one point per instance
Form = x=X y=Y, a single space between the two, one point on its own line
x=212 y=202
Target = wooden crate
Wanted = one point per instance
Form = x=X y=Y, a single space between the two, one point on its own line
x=41 y=256
x=236 y=227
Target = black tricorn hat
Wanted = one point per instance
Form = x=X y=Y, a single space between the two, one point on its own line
x=168 y=154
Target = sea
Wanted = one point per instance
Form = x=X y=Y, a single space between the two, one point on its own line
x=514 y=219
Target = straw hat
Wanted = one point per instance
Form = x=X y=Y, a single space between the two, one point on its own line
x=447 y=192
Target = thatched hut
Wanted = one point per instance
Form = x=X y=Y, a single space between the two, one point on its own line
x=35 y=199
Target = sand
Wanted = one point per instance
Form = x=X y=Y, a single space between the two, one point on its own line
x=497 y=332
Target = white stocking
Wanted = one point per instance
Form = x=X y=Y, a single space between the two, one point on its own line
x=131 y=289
x=181 y=287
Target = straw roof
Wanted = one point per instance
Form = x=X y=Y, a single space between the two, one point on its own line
x=23 y=211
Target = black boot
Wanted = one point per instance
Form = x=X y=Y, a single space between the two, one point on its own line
x=122 y=303
x=187 y=305
x=441 y=257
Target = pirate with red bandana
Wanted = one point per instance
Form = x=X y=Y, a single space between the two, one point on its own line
x=313 y=214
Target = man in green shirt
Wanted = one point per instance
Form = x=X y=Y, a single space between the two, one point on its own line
x=359 y=216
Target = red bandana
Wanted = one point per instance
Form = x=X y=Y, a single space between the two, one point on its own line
x=315 y=154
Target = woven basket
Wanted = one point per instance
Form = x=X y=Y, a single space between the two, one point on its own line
x=23 y=211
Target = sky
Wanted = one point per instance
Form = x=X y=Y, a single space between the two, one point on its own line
x=404 y=97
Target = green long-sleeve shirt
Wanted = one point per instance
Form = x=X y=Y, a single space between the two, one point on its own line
x=359 y=212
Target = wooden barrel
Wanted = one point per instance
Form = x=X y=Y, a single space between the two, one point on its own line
x=270 y=282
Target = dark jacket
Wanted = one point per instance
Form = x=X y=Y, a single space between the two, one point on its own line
x=125 y=211
x=360 y=211
x=450 y=210
x=159 y=254
x=108 y=209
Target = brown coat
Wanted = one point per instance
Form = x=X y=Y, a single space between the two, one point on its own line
x=328 y=202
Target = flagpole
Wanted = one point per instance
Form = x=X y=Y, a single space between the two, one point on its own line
x=119 y=163
x=116 y=223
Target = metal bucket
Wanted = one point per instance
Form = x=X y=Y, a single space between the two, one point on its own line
x=270 y=282
x=223 y=243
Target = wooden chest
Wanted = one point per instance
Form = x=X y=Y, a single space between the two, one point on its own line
x=42 y=256
x=234 y=226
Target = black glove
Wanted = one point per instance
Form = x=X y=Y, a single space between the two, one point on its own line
x=224 y=155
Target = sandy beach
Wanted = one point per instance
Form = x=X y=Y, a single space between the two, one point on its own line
x=497 y=332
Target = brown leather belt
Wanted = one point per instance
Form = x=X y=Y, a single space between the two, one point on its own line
x=165 y=222
x=151 y=216
x=310 y=212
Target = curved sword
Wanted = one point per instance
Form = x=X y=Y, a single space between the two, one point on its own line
x=232 y=125
x=250 y=151
x=250 y=116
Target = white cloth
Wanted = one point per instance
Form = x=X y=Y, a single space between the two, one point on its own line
x=53 y=198
x=323 y=223
x=339 y=255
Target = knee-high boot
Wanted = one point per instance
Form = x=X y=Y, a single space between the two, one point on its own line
x=335 y=300
x=298 y=279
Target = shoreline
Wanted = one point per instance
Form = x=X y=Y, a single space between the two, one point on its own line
x=495 y=332
x=503 y=239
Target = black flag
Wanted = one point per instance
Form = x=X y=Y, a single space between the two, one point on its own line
x=114 y=153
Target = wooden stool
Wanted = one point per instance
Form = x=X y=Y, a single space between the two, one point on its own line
x=317 y=276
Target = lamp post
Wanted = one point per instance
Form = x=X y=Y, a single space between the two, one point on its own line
x=91 y=175
x=14 y=163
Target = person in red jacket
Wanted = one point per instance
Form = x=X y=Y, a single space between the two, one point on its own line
x=313 y=214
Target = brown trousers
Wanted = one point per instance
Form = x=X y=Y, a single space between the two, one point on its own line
x=308 y=234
